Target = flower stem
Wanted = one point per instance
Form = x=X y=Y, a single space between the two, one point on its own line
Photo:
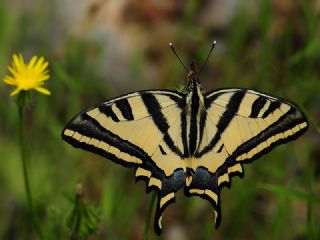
x=149 y=214
x=24 y=158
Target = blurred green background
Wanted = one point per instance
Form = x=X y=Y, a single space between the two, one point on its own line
x=100 y=49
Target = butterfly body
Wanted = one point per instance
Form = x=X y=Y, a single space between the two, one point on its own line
x=196 y=141
x=195 y=110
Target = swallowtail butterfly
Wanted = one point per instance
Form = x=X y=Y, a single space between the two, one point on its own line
x=195 y=140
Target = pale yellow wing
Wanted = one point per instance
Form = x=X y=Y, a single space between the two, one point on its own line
x=140 y=130
x=241 y=125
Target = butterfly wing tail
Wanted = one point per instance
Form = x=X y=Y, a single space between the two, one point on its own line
x=205 y=185
x=166 y=196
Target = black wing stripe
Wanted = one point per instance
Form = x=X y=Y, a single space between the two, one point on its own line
x=289 y=120
x=89 y=127
x=273 y=106
x=257 y=106
x=125 y=108
x=154 y=109
x=159 y=119
x=170 y=143
x=107 y=110
x=184 y=133
x=210 y=99
x=203 y=118
x=178 y=101
x=231 y=109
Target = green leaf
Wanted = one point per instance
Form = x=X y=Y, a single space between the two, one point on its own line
x=291 y=193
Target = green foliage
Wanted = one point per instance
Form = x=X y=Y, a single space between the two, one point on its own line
x=83 y=221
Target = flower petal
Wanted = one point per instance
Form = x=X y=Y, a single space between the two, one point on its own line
x=44 y=66
x=39 y=63
x=14 y=92
x=13 y=71
x=32 y=62
x=43 y=90
x=9 y=80
x=17 y=60
x=43 y=78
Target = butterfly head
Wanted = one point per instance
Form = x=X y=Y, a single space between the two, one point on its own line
x=192 y=77
x=193 y=73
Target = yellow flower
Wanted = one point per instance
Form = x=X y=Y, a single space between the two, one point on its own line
x=28 y=76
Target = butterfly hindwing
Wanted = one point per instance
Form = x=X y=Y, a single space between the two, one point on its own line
x=241 y=125
x=140 y=130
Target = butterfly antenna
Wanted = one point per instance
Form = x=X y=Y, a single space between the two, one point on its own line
x=209 y=54
x=175 y=53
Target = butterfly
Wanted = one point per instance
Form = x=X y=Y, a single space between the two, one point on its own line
x=194 y=140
